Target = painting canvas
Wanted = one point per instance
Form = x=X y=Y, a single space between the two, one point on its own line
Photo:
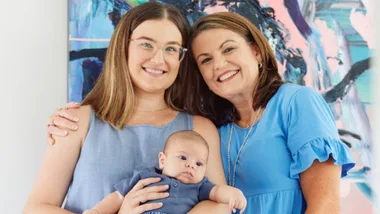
x=324 y=44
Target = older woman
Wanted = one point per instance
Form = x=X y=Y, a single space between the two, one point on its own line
x=279 y=141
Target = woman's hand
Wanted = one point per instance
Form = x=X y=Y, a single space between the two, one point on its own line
x=133 y=201
x=62 y=120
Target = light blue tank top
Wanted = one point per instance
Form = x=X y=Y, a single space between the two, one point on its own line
x=109 y=155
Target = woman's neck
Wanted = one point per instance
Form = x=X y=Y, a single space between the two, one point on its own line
x=148 y=102
x=151 y=109
x=244 y=106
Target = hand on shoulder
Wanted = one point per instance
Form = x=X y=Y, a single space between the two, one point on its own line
x=83 y=114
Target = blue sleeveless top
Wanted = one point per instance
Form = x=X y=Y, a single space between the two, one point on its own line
x=109 y=155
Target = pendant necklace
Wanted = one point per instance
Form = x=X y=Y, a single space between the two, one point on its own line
x=231 y=178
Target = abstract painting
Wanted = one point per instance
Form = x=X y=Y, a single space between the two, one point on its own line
x=324 y=44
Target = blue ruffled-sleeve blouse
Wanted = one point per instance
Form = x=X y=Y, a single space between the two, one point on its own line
x=296 y=128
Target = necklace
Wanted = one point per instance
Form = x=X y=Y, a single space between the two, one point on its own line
x=231 y=178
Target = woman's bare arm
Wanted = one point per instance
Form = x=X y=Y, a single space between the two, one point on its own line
x=321 y=187
x=57 y=169
x=214 y=170
x=110 y=204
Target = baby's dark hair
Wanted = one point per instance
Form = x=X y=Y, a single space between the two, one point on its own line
x=188 y=135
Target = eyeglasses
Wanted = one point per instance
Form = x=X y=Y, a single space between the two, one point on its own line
x=172 y=52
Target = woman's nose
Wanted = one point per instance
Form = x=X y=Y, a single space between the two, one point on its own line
x=219 y=62
x=158 y=57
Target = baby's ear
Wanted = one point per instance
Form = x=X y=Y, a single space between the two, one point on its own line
x=161 y=160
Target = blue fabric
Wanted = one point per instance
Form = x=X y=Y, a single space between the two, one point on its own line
x=297 y=127
x=108 y=155
x=154 y=213
x=182 y=197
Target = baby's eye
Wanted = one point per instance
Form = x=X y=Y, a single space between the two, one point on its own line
x=182 y=157
x=199 y=164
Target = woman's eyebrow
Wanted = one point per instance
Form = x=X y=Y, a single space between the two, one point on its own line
x=150 y=39
x=228 y=40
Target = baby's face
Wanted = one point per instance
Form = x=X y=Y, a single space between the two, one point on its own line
x=185 y=161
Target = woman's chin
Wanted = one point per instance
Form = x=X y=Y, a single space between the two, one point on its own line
x=229 y=94
x=151 y=88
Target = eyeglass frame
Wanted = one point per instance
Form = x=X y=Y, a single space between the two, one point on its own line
x=183 y=49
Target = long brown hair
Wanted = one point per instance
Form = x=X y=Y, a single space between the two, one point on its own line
x=200 y=99
x=112 y=98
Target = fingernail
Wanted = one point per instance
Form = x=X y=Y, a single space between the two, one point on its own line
x=166 y=194
x=76 y=119
x=66 y=133
x=74 y=127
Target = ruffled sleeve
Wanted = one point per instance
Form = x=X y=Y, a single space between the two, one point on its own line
x=312 y=134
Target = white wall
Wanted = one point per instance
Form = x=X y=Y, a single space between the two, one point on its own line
x=33 y=67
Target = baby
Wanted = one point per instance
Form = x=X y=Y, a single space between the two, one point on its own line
x=182 y=166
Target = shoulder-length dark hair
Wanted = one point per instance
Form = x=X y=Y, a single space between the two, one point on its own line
x=200 y=100
x=112 y=98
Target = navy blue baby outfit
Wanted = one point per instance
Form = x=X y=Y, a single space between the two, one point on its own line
x=182 y=197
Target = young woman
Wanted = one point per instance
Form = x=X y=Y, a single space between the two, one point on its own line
x=125 y=121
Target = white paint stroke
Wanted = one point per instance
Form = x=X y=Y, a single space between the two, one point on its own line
x=89 y=39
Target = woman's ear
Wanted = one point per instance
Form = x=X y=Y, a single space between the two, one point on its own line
x=161 y=160
x=256 y=52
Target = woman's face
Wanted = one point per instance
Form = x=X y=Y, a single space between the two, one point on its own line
x=153 y=60
x=227 y=62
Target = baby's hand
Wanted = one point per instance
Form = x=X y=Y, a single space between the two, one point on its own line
x=237 y=201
